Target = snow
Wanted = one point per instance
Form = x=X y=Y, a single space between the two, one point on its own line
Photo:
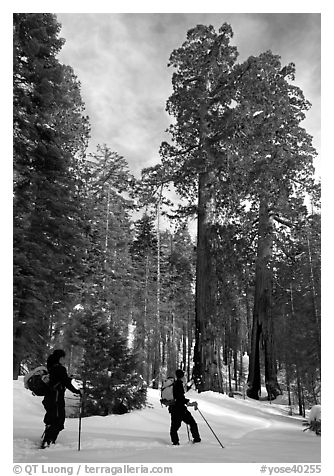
x=251 y=432
x=315 y=413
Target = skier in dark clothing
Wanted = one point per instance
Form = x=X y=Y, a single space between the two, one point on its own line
x=54 y=401
x=180 y=413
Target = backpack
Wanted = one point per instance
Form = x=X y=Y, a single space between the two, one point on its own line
x=167 y=397
x=37 y=380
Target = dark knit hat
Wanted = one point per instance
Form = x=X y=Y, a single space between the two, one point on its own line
x=54 y=357
x=58 y=354
x=179 y=373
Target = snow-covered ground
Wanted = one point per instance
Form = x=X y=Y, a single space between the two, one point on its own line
x=251 y=432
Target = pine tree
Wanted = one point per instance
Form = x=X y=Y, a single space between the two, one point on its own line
x=295 y=311
x=178 y=294
x=144 y=258
x=234 y=264
x=106 y=367
x=106 y=278
x=97 y=328
x=50 y=136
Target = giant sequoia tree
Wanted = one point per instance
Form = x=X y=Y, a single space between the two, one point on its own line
x=277 y=156
x=196 y=162
x=50 y=135
x=240 y=157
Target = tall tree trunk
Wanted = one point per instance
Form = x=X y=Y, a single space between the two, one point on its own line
x=172 y=353
x=272 y=386
x=235 y=367
x=314 y=300
x=314 y=393
x=16 y=354
x=300 y=398
x=254 y=374
x=220 y=378
x=189 y=348
x=289 y=394
x=205 y=309
x=249 y=319
x=205 y=367
x=262 y=314
x=184 y=345
x=163 y=348
x=157 y=336
x=146 y=336
x=229 y=375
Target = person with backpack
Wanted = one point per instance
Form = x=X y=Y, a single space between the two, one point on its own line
x=179 y=412
x=54 y=401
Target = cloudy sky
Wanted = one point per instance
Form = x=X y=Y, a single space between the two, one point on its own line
x=121 y=62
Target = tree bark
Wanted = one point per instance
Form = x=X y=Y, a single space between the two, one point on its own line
x=262 y=314
x=235 y=366
x=254 y=375
x=184 y=346
x=157 y=335
x=229 y=377
x=16 y=355
x=205 y=366
x=220 y=379
x=190 y=342
x=300 y=399
x=314 y=300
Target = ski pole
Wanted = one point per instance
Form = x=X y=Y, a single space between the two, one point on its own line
x=80 y=414
x=209 y=427
x=188 y=433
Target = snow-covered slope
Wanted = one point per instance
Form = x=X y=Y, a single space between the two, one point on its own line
x=251 y=432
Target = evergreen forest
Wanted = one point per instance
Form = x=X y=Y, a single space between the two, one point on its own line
x=98 y=273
